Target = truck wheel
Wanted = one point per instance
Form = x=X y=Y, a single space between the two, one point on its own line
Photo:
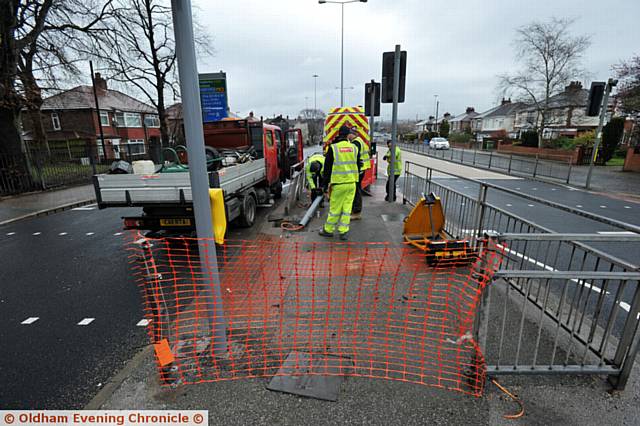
x=277 y=190
x=247 y=211
x=214 y=160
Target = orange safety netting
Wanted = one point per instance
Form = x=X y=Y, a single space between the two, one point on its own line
x=355 y=309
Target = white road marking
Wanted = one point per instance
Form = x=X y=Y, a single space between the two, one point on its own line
x=517 y=189
x=90 y=233
x=62 y=234
x=86 y=321
x=30 y=320
x=627 y=207
x=549 y=268
x=85 y=208
x=534 y=189
x=117 y=233
x=579 y=206
x=10 y=234
x=616 y=233
x=509 y=205
x=36 y=233
x=553 y=189
x=603 y=207
x=530 y=205
x=143 y=323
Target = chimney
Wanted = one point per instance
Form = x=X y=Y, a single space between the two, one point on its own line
x=573 y=86
x=431 y=117
x=251 y=114
x=101 y=83
x=446 y=115
x=470 y=109
x=505 y=101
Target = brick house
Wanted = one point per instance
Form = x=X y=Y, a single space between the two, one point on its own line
x=497 y=122
x=566 y=116
x=462 y=122
x=131 y=128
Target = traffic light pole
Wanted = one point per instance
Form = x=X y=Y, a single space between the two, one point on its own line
x=394 y=124
x=192 y=114
x=596 y=145
x=372 y=110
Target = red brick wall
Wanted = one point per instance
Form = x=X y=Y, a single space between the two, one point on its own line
x=632 y=161
x=543 y=153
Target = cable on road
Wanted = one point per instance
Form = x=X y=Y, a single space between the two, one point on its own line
x=514 y=398
x=288 y=226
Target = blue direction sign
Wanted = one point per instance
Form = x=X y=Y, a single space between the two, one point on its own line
x=213 y=96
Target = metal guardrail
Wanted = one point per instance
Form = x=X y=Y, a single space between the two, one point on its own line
x=512 y=164
x=296 y=186
x=559 y=305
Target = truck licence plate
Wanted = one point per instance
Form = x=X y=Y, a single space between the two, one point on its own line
x=175 y=222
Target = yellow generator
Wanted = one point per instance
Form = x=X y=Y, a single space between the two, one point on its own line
x=424 y=229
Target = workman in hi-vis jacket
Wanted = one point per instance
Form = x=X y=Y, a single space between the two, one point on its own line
x=313 y=173
x=340 y=176
x=365 y=161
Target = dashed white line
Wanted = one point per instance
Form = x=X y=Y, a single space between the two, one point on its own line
x=10 y=234
x=534 y=189
x=553 y=189
x=509 y=205
x=143 y=323
x=30 y=320
x=36 y=233
x=627 y=207
x=90 y=233
x=530 y=205
x=603 y=207
x=117 y=233
x=62 y=234
x=517 y=189
x=579 y=206
x=86 y=321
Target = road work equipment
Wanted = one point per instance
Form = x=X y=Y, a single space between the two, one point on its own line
x=424 y=229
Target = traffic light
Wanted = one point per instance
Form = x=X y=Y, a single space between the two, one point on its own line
x=388 y=59
x=595 y=98
x=368 y=87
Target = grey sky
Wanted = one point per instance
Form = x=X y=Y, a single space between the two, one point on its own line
x=270 y=49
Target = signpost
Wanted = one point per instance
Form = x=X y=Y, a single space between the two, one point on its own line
x=372 y=105
x=213 y=96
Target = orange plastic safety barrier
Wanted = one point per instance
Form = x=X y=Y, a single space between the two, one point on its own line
x=377 y=310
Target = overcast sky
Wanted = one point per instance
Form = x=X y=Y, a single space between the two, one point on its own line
x=270 y=49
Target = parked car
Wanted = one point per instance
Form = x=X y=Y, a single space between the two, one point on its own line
x=439 y=143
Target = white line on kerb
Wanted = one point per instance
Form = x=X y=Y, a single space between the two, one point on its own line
x=86 y=321
x=30 y=320
x=143 y=323
x=85 y=208
x=616 y=233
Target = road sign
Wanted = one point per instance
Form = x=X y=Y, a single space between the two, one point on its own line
x=213 y=96
x=387 y=76
x=368 y=89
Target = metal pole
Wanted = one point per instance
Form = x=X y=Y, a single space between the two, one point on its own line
x=315 y=92
x=603 y=113
x=342 y=60
x=95 y=98
x=192 y=113
x=394 y=123
x=437 y=127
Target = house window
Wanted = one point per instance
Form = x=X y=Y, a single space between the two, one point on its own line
x=151 y=120
x=135 y=147
x=55 y=121
x=132 y=119
x=104 y=118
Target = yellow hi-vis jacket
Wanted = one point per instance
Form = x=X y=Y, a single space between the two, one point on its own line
x=397 y=164
x=345 y=162
x=319 y=158
x=363 y=149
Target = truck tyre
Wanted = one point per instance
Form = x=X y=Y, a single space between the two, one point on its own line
x=247 y=211
x=214 y=160
x=277 y=190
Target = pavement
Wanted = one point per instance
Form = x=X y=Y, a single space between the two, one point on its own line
x=39 y=203
x=547 y=399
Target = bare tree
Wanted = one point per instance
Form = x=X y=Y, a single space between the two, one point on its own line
x=548 y=57
x=139 y=50
x=629 y=88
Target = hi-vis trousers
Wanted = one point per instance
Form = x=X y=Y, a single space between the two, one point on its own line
x=340 y=205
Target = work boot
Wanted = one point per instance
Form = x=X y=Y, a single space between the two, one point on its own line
x=324 y=233
x=344 y=236
x=356 y=216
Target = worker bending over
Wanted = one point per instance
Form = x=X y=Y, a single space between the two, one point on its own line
x=365 y=160
x=341 y=170
x=397 y=170
x=313 y=172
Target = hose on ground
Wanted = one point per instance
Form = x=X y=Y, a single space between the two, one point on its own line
x=514 y=398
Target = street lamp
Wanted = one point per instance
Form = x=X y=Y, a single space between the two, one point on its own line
x=342 y=3
x=342 y=89
x=315 y=91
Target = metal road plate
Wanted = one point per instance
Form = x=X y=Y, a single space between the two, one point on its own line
x=292 y=378
x=392 y=217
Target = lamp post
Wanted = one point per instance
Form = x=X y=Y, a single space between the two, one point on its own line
x=342 y=3
x=342 y=89
x=315 y=92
